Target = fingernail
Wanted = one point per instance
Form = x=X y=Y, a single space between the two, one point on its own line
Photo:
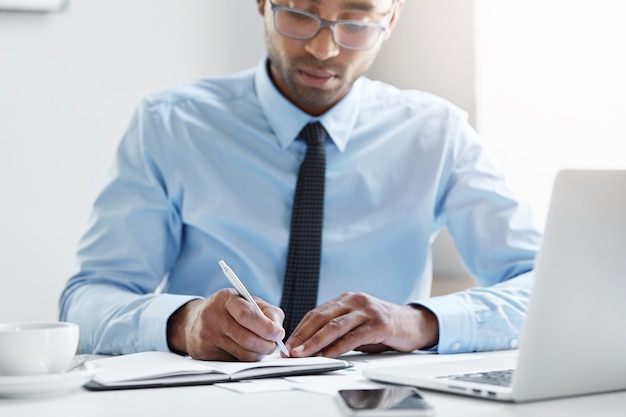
x=298 y=349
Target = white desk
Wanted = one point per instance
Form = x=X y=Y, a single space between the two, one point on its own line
x=214 y=401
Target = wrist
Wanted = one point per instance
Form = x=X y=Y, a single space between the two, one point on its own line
x=177 y=326
x=428 y=325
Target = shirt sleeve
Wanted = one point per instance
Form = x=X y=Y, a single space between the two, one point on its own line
x=130 y=244
x=497 y=239
x=482 y=318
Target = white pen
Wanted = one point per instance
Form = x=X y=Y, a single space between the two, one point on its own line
x=243 y=292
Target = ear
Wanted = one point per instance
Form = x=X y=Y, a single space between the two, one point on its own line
x=260 y=4
x=394 y=19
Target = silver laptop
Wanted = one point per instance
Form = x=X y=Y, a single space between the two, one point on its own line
x=573 y=341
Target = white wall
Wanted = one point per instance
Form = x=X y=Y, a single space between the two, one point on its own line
x=551 y=77
x=69 y=83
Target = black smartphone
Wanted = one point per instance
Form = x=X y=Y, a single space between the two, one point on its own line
x=392 y=401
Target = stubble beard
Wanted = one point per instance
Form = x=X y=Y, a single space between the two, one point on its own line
x=307 y=96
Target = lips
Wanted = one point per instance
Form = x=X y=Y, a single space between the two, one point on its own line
x=317 y=78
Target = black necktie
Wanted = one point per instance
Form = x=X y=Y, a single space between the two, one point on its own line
x=305 y=236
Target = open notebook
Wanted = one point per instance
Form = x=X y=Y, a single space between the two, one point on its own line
x=573 y=341
x=164 y=369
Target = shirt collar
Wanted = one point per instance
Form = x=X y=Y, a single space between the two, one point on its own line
x=286 y=120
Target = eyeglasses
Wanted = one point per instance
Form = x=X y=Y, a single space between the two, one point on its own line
x=350 y=34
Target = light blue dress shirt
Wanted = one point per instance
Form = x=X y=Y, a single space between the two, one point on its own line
x=207 y=171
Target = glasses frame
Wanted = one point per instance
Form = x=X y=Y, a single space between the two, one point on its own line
x=330 y=24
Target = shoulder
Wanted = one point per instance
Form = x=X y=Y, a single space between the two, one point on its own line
x=380 y=96
x=212 y=92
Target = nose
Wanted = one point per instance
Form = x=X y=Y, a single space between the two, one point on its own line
x=323 y=45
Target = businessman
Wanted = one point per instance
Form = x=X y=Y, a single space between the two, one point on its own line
x=322 y=189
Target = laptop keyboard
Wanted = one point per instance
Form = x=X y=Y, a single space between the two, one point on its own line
x=500 y=377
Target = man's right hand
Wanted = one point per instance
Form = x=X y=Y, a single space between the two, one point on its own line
x=226 y=327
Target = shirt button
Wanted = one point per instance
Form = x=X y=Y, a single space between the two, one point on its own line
x=456 y=346
x=514 y=343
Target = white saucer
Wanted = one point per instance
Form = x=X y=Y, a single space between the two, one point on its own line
x=47 y=384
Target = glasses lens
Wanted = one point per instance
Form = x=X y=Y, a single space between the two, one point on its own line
x=356 y=35
x=295 y=24
x=298 y=24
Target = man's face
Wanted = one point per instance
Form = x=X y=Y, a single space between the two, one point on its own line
x=314 y=74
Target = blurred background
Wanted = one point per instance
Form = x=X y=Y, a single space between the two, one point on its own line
x=543 y=83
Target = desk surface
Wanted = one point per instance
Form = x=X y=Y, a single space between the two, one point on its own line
x=213 y=400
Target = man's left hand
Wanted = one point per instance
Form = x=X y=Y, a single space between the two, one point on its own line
x=357 y=321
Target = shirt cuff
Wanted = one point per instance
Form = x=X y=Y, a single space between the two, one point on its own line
x=456 y=329
x=154 y=319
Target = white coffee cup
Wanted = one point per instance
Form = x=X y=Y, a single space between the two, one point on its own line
x=34 y=348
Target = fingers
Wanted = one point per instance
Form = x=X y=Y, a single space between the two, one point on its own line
x=247 y=316
x=276 y=315
x=341 y=325
x=340 y=335
x=228 y=327
x=362 y=322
